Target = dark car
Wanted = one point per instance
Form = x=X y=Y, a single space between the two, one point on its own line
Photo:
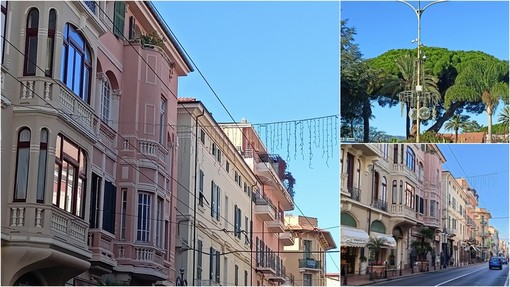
x=495 y=262
x=503 y=260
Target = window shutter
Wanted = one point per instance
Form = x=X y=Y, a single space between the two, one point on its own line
x=118 y=18
x=213 y=202
x=217 y=202
x=217 y=267
x=211 y=257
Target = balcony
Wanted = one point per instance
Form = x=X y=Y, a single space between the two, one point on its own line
x=380 y=204
x=369 y=149
x=286 y=238
x=101 y=245
x=143 y=259
x=355 y=192
x=309 y=265
x=451 y=232
x=431 y=221
x=205 y=283
x=402 y=169
x=267 y=269
x=264 y=209
x=276 y=226
x=279 y=276
x=48 y=96
x=404 y=211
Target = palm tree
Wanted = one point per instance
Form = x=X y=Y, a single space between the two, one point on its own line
x=503 y=117
x=482 y=82
x=375 y=244
x=405 y=81
x=456 y=123
x=423 y=247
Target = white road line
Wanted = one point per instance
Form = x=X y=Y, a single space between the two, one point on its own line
x=458 y=277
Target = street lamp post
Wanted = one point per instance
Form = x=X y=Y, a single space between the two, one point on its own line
x=419 y=86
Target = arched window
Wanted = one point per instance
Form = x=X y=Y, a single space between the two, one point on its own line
x=401 y=191
x=105 y=99
x=22 y=161
x=394 y=192
x=76 y=65
x=359 y=174
x=52 y=23
x=43 y=155
x=31 y=42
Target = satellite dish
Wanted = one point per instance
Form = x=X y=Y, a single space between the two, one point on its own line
x=424 y=113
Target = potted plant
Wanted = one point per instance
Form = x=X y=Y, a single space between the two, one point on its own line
x=150 y=40
x=363 y=265
x=375 y=244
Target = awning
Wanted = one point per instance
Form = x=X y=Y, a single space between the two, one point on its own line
x=353 y=237
x=476 y=249
x=391 y=243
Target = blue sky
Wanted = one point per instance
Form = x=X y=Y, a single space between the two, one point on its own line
x=455 y=25
x=486 y=168
x=269 y=62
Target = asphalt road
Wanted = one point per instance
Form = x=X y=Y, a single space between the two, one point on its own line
x=474 y=275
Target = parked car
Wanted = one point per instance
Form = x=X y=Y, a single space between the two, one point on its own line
x=503 y=260
x=495 y=262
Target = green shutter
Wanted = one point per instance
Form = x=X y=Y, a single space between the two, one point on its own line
x=118 y=18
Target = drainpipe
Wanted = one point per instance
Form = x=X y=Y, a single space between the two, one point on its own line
x=251 y=234
x=195 y=198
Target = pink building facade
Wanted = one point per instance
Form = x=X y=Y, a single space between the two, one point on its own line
x=88 y=117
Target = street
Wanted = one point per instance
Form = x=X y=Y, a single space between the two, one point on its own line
x=474 y=275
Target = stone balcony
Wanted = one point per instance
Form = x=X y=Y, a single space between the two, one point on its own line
x=403 y=211
x=402 y=169
x=143 y=259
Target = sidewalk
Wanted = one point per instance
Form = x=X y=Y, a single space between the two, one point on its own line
x=363 y=280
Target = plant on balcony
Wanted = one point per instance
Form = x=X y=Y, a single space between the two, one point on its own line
x=375 y=244
x=151 y=39
x=422 y=246
x=289 y=182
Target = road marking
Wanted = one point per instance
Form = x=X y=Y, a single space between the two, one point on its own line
x=458 y=277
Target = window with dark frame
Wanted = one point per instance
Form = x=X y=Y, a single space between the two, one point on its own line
x=22 y=164
x=109 y=204
x=31 y=38
x=119 y=14
x=50 y=43
x=70 y=176
x=76 y=63
x=201 y=188
x=144 y=215
x=41 y=171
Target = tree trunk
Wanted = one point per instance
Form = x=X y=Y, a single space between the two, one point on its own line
x=408 y=121
x=489 y=127
x=456 y=135
x=367 y=112
x=446 y=116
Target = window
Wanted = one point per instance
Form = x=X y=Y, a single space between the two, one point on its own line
x=350 y=170
x=199 y=260
x=43 y=156
x=401 y=191
x=144 y=215
x=236 y=275
x=105 y=99
x=219 y=156
x=245 y=278
x=4 y=25
x=123 y=213
x=409 y=196
x=432 y=208
x=307 y=279
x=421 y=205
x=94 y=201
x=162 y=121
x=227 y=166
x=109 y=202
x=70 y=175
x=394 y=192
x=246 y=230
x=76 y=64
x=52 y=23
x=384 y=188
x=202 y=136
x=22 y=162
x=119 y=9
x=214 y=265
x=395 y=153
x=237 y=222
x=420 y=172
x=132 y=28
x=410 y=158
x=307 y=249
x=159 y=222
x=214 y=149
x=201 y=188
x=215 y=201
x=31 y=43
x=384 y=148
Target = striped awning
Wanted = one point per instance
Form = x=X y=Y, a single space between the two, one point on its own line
x=353 y=237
